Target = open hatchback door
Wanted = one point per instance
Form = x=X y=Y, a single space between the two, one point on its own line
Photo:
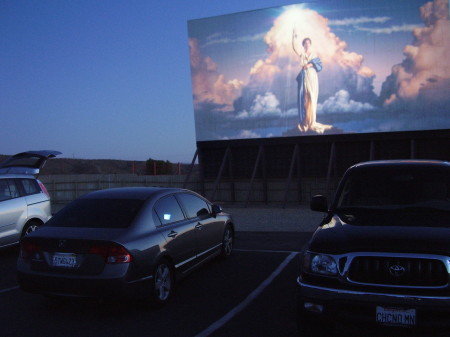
x=29 y=162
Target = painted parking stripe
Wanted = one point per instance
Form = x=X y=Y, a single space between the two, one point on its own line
x=8 y=289
x=264 y=251
x=254 y=294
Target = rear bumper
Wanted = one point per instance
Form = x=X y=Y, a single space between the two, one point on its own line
x=340 y=305
x=99 y=286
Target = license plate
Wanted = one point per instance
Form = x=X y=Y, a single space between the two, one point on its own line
x=64 y=260
x=394 y=316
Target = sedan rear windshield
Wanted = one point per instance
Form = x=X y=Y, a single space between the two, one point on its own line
x=97 y=213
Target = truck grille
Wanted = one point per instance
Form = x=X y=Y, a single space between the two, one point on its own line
x=398 y=271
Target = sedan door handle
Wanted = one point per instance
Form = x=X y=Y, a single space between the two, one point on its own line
x=199 y=226
x=172 y=234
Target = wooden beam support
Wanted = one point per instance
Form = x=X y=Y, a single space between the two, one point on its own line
x=191 y=167
x=219 y=176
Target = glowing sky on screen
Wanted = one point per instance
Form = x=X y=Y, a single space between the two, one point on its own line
x=384 y=67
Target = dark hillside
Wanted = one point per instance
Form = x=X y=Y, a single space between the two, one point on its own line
x=100 y=166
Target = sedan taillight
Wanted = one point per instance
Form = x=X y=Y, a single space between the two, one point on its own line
x=29 y=249
x=111 y=253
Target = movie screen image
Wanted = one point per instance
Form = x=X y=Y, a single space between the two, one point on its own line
x=318 y=68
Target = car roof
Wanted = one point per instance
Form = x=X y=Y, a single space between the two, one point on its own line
x=15 y=176
x=140 y=193
x=402 y=163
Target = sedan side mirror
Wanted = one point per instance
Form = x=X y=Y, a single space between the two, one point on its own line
x=216 y=209
x=319 y=203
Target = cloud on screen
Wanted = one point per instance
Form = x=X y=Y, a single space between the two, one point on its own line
x=267 y=97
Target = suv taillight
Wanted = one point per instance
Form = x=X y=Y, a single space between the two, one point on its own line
x=29 y=249
x=111 y=253
x=41 y=185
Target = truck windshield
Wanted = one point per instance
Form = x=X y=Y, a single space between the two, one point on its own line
x=387 y=187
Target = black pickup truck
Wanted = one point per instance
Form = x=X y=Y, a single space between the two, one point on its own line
x=381 y=256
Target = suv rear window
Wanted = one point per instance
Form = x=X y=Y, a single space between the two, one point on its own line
x=30 y=186
x=5 y=193
x=97 y=213
x=8 y=190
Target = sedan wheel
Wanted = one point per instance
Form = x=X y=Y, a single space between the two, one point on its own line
x=227 y=242
x=163 y=282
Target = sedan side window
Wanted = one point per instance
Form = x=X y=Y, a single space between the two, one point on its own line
x=194 y=205
x=168 y=210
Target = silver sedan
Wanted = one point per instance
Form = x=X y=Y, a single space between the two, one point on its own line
x=124 y=242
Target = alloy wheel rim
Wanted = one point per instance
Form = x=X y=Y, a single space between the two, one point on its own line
x=163 y=282
x=228 y=242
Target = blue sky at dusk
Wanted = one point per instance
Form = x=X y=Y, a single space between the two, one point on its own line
x=101 y=79
x=112 y=79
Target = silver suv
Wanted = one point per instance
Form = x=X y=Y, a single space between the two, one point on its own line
x=24 y=200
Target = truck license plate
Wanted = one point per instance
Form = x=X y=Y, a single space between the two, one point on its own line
x=64 y=260
x=393 y=316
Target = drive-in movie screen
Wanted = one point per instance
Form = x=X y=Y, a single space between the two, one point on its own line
x=324 y=67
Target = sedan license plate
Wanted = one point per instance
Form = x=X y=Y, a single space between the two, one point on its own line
x=66 y=260
x=394 y=316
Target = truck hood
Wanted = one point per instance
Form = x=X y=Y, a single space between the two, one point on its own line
x=412 y=233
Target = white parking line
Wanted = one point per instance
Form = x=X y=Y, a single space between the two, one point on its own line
x=264 y=251
x=255 y=293
x=8 y=289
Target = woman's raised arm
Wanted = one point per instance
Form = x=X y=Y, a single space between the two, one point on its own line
x=294 y=38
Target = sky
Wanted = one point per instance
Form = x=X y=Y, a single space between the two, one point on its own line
x=112 y=79
x=101 y=79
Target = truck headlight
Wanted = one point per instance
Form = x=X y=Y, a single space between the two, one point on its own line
x=320 y=264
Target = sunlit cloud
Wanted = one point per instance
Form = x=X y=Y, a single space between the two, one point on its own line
x=341 y=103
x=218 y=38
x=360 y=24
x=390 y=30
x=208 y=85
x=358 y=21
x=248 y=134
x=277 y=71
x=243 y=134
x=424 y=74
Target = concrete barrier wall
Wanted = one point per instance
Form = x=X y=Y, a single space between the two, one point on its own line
x=65 y=188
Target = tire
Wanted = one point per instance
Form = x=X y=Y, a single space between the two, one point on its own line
x=227 y=242
x=30 y=227
x=162 y=283
x=311 y=326
x=56 y=300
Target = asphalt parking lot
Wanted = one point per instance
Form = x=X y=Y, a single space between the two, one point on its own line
x=249 y=294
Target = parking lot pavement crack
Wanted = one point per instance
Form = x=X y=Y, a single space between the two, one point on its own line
x=254 y=294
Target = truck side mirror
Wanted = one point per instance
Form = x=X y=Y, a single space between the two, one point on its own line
x=319 y=203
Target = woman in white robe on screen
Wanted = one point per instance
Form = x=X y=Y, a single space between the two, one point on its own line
x=308 y=87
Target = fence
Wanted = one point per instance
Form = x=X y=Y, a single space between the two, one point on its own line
x=65 y=188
